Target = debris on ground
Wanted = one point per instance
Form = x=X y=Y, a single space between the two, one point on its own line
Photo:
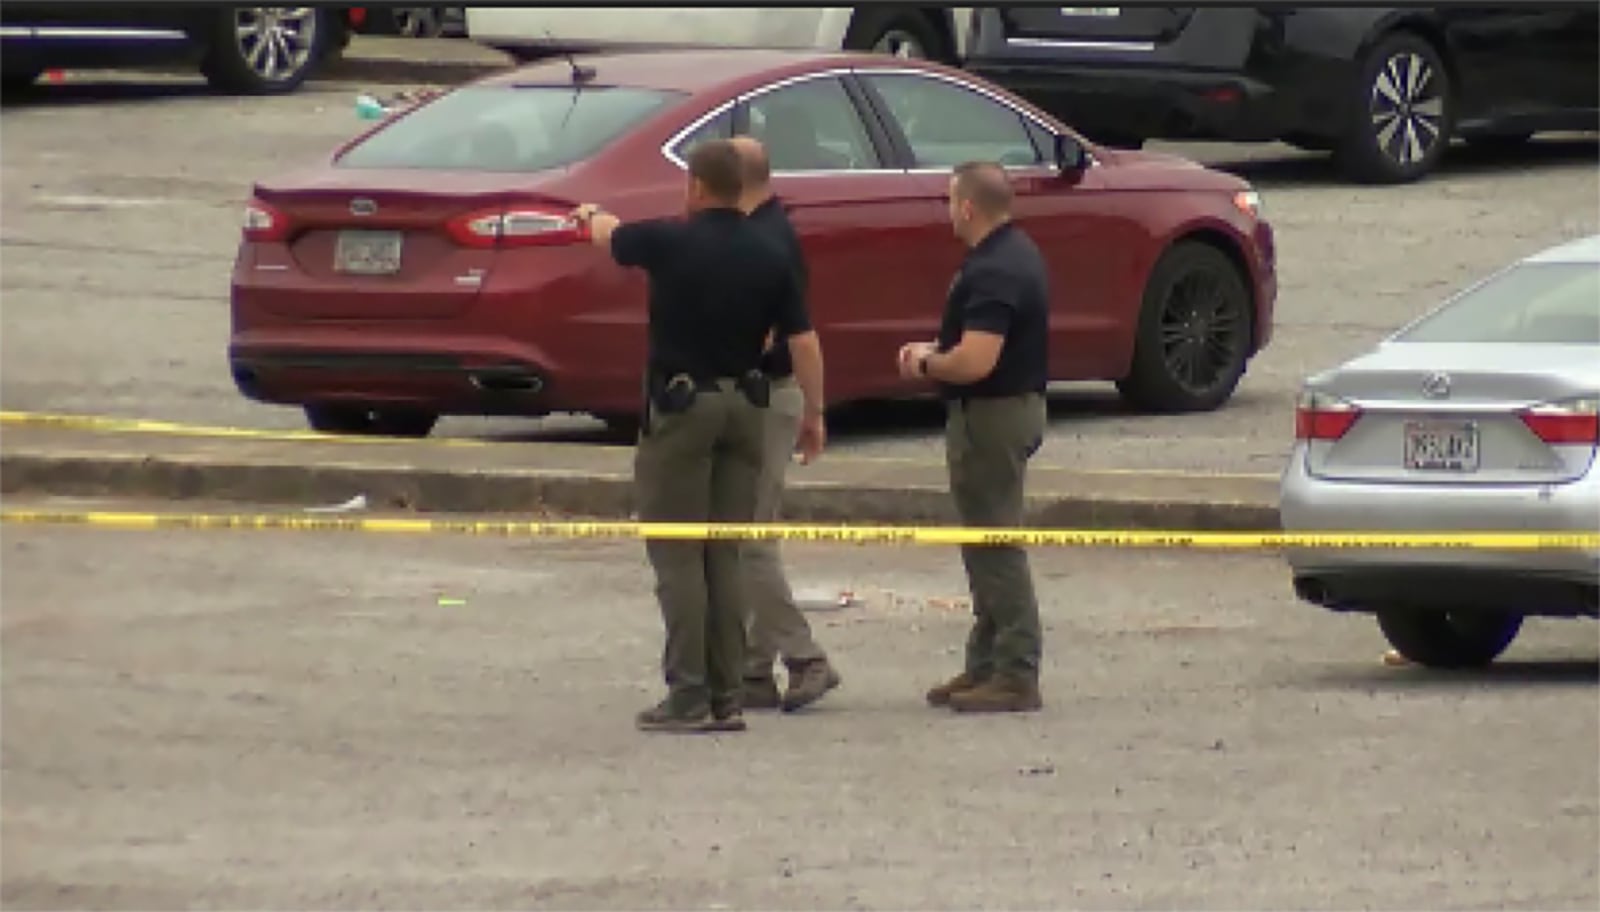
x=353 y=505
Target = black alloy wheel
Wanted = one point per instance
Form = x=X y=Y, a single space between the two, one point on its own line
x=1195 y=330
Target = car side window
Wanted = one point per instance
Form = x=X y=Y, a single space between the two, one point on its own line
x=1044 y=142
x=947 y=124
x=718 y=127
x=811 y=126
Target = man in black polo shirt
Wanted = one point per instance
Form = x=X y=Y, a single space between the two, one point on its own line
x=990 y=362
x=718 y=289
x=773 y=623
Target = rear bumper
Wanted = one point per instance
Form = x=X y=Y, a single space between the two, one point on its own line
x=1148 y=102
x=436 y=382
x=1557 y=582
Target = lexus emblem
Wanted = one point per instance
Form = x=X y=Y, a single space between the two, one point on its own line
x=1436 y=385
x=363 y=207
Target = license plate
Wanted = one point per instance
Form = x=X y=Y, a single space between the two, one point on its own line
x=1449 y=446
x=368 y=252
x=1092 y=12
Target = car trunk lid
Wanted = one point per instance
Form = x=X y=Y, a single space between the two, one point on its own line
x=1455 y=414
x=367 y=244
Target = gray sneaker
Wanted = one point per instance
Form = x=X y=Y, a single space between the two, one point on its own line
x=808 y=682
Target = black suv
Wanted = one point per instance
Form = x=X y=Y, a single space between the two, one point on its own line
x=1383 y=88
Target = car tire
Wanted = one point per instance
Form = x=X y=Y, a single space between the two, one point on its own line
x=1404 y=114
x=296 y=40
x=897 y=32
x=407 y=21
x=370 y=422
x=1444 y=639
x=1196 y=306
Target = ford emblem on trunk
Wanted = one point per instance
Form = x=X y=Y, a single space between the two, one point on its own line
x=1436 y=385
x=363 y=207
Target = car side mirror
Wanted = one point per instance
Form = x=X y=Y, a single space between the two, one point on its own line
x=1071 y=157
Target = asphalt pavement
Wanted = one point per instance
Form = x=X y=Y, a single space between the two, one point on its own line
x=119 y=214
x=324 y=720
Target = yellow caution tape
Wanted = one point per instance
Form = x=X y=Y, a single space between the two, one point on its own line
x=859 y=535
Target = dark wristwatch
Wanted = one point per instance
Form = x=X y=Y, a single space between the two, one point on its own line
x=922 y=364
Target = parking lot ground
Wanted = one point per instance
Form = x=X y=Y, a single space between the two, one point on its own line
x=119 y=221
x=299 y=720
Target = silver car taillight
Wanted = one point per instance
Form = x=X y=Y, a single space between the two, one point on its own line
x=1319 y=416
x=1569 y=421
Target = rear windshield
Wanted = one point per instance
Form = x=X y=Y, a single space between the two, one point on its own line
x=507 y=128
x=1552 y=303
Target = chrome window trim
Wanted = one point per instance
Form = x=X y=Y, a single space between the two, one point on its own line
x=667 y=148
x=1139 y=47
x=71 y=31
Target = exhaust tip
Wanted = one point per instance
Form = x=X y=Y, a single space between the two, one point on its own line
x=507 y=381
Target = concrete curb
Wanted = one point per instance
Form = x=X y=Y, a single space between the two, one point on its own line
x=600 y=496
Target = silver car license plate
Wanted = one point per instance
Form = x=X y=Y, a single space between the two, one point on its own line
x=1094 y=12
x=1442 y=446
x=368 y=252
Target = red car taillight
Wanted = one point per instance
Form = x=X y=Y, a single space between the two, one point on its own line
x=1565 y=422
x=518 y=226
x=1318 y=416
x=263 y=222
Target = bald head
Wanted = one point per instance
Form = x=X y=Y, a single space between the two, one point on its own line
x=986 y=187
x=755 y=167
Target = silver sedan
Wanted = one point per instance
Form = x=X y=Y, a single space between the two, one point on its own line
x=1483 y=415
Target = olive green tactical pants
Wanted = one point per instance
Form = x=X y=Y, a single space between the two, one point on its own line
x=701 y=465
x=774 y=625
x=988 y=443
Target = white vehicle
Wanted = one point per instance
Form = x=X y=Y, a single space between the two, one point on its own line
x=938 y=33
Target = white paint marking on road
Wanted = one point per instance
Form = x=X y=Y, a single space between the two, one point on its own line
x=76 y=202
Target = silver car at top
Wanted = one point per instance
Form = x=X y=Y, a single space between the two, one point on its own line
x=1481 y=416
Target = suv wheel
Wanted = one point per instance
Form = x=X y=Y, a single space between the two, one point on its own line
x=1405 y=113
x=1445 y=639
x=265 y=50
x=376 y=422
x=896 y=32
x=1194 y=332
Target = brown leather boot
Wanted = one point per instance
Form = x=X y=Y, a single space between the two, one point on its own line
x=1001 y=693
x=940 y=695
x=808 y=682
x=761 y=693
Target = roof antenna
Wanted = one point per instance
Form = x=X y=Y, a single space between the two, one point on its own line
x=580 y=74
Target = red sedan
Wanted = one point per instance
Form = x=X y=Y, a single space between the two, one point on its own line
x=428 y=269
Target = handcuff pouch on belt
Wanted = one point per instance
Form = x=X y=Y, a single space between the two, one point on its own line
x=674 y=395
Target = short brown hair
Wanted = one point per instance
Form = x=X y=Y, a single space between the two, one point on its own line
x=985 y=184
x=757 y=165
x=717 y=165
